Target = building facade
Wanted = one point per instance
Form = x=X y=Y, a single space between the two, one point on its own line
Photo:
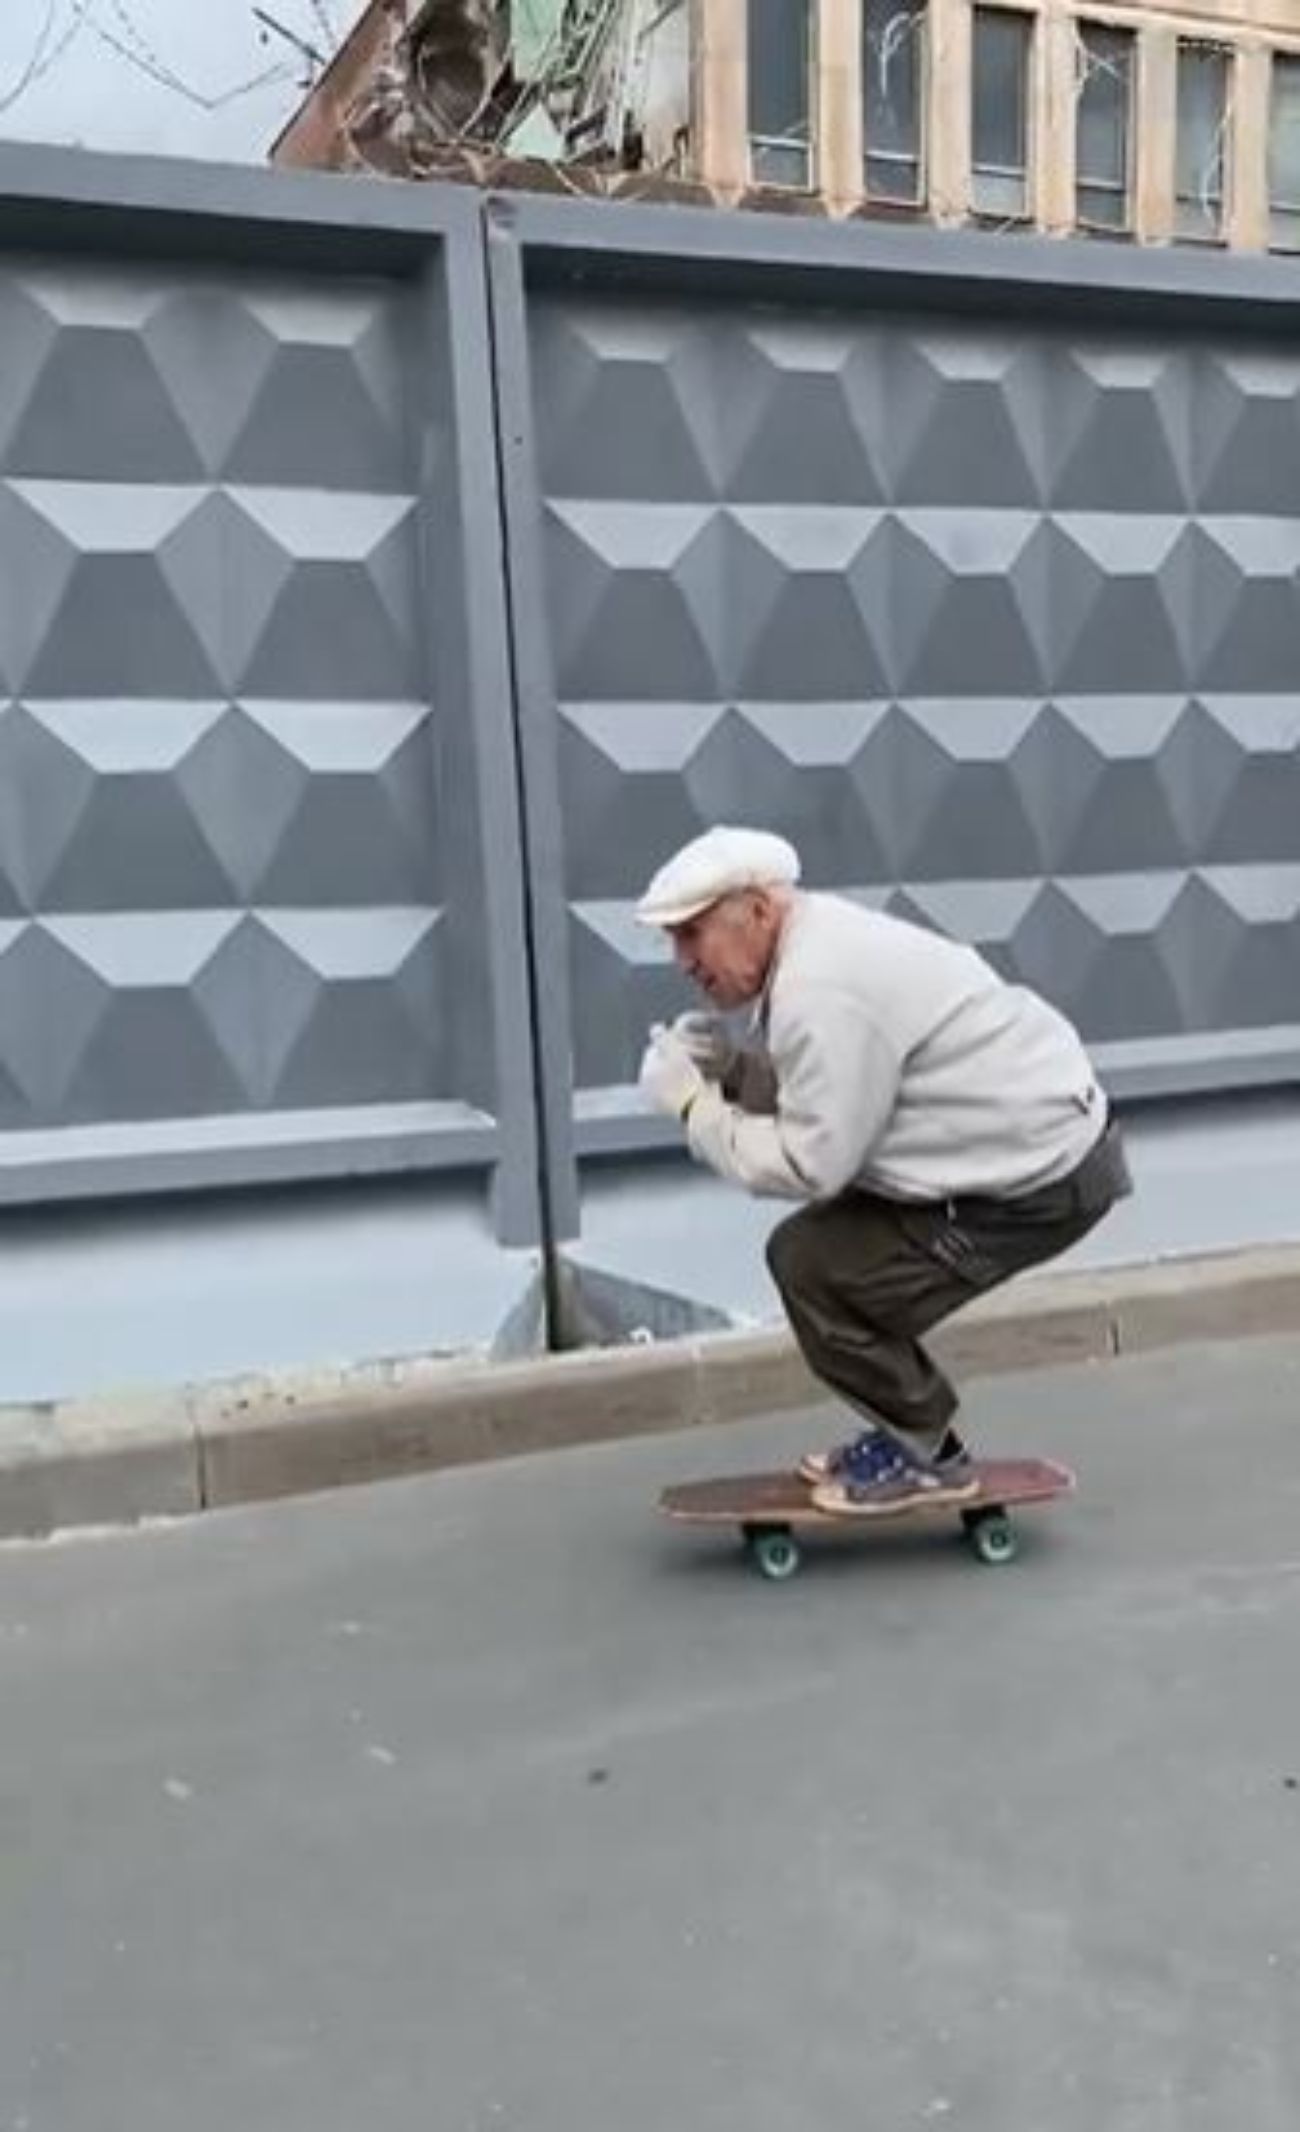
x=1158 y=121
x=1155 y=121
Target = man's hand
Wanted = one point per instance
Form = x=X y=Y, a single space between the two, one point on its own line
x=670 y=1078
x=706 y=1039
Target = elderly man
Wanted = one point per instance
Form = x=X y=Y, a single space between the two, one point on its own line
x=944 y=1130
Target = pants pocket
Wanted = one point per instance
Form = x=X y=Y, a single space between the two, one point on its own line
x=955 y=1246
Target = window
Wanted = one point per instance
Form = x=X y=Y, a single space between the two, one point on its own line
x=1201 y=153
x=1103 y=183
x=1003 y=43
x=780 y=77
x=1284 y=155
x=893 y=90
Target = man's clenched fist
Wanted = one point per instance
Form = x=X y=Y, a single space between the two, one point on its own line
x=669 y=1077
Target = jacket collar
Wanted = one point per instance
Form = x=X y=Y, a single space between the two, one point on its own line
x=760 y=1011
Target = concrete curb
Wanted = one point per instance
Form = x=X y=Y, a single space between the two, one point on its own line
x=117 y=1461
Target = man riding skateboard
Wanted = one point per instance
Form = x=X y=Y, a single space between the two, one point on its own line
x=943 y=1129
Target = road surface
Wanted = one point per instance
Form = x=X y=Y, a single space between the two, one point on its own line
x=485 y=1803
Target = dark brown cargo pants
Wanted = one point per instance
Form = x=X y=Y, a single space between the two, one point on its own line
x=862 y=1277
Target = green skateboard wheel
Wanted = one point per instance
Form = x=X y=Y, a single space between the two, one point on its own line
x=993 y=1537
x=775 y=1555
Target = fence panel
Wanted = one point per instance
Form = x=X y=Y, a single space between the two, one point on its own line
x=972 y=569
x=260 y=905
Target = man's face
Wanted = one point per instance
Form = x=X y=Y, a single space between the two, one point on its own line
x=728 y=948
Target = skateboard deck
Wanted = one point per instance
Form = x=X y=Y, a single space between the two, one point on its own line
x=771 y=1510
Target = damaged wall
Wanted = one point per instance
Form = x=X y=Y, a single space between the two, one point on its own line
x=412 y=75
x=632 y=105
x=433 y=86
x=595 y=81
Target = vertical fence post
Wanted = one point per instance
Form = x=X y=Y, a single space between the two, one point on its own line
x=532 y=695
x=455 y=320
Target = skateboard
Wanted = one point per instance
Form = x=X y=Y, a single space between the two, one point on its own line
x=773 y=1510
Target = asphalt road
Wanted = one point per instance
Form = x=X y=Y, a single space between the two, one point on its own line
x=487 y=1803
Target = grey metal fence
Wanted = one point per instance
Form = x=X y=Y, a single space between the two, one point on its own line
x=974 y=569
x=259 y=834
x=391 y=577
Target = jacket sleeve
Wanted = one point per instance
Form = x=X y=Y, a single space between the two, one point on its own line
x=837 y=1078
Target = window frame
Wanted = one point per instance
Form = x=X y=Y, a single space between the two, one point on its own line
x=1230 y=50
x=1029 y=18
x=786 y=144
x=1082 y=22
x=1289 y=56
x=918 y=202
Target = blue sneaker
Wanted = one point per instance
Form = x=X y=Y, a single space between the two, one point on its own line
x=874 y=1477
x=951 y=1458
x=818 y=1466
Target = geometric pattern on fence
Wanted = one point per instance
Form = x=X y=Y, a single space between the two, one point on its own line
x=999 y=624
x=221 y=835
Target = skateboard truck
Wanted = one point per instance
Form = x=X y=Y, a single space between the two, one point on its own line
x=775 y=1552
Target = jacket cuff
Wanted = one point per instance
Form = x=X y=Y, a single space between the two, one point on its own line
x=704 y=1109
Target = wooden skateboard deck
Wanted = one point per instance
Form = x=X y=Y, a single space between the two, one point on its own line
x=770 y=1509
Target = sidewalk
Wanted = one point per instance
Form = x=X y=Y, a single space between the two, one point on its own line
x=171 y=1453
x=487 y=1802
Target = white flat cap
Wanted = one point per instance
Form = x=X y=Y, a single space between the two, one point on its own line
x=716 y=865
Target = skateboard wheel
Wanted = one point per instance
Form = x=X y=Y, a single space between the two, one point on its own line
x=775 y=1555
x=993 y=1538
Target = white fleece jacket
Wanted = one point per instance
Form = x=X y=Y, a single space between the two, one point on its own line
x=892 y=1058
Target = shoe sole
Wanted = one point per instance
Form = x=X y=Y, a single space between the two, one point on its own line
x=816 y=1468
x=924 y=1499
